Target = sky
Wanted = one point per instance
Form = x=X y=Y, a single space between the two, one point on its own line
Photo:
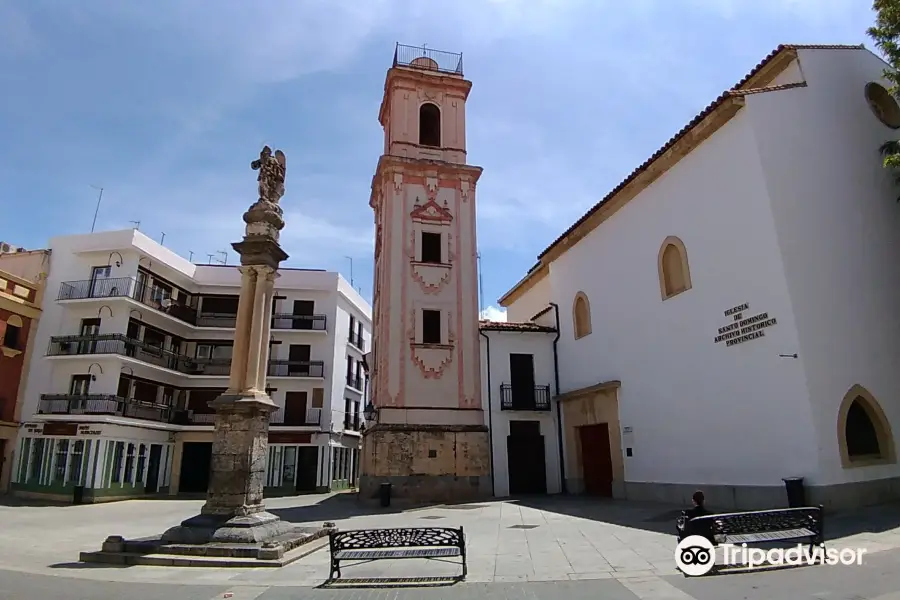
x=164 y=105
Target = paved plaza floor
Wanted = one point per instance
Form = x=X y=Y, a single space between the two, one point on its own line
x=527 y=548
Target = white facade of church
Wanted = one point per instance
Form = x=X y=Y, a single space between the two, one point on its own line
x=728 y=313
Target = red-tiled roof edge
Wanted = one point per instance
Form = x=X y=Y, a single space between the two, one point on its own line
x=694 y=122
x=521 y=327
x=767 y=88
x=782 y=47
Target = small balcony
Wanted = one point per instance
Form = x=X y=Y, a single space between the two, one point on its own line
x=116 y=343
x=297 y=368
x=310 y=417
x=355 y=382
x=128 y=287
x=518 y=398
x=352 y=423
x=102 y=404
x=299 y=322
x=356 y=340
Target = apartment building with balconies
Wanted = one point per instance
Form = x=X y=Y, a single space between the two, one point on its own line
x=136 y=341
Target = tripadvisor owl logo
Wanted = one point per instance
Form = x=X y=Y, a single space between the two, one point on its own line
x=695 y=555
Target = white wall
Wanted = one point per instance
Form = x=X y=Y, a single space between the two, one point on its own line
x=838 y=224
x=502 y=344
x=712 y=403
x=531 y=302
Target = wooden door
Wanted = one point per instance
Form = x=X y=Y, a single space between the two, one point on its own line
x=526 y=462
x=303 y=308
x=307 y=468
x=596 y=459
x=298 y=360
x=295 y=408
x=152 y=484
x=521 y=374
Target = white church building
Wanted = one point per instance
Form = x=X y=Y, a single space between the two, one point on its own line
x=727 y=315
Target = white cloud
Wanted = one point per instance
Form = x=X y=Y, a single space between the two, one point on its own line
x=494 y=313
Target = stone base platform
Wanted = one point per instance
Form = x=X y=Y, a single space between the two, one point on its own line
x=278 y=551
x=426 y=463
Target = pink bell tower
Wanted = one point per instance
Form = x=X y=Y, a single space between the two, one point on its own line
x=429 y=439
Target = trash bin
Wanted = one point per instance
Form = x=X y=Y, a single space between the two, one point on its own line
x=384 y=492
x=795 y=492
x=78 y=494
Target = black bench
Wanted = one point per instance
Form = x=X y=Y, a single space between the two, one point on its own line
x=778 y=525
x=366 y=545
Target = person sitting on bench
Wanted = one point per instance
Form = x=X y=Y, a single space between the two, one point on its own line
x=698 y=510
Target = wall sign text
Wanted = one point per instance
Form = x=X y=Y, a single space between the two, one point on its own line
x=743 y=329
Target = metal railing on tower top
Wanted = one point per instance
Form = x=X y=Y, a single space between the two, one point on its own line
x=426 y=59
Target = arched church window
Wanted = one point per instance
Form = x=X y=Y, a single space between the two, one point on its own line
x=674 y=271
x=430 y=125
x=581 y=315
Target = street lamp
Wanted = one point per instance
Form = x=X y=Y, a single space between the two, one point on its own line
x=370 y=412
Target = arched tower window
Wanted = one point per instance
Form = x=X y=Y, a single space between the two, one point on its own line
x=581 y=315
x=430 y=125
x=674 y=271
x=864 y=433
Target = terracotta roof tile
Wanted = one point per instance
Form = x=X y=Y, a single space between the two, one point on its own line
x=730 y=93
x=767 y=88
x=504 y=326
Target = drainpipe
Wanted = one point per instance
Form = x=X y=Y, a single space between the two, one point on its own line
x=559 y=429
x=487 y=342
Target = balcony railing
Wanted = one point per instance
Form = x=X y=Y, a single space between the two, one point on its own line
x=313 y=416
x=296 y=368
x=301 y=322
x=356 y=339
x=129 y=287
x=516 y=398
x=426 y=59
x=352 y=423
x=355 y=381
x=102 y=404
x=117 y=343
x=216 y=320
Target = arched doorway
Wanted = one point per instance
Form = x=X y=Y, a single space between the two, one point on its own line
x=864 y=432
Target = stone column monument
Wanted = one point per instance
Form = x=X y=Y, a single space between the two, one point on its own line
x=234 y=510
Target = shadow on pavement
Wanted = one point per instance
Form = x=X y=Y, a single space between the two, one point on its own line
x=83 y=566
x=661 y=518
x=388 y=582
x=658 y=518
x=339 y=507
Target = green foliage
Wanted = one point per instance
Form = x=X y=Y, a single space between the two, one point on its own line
x=886 y=35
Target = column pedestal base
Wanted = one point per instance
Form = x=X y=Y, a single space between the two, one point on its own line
x=250 y=529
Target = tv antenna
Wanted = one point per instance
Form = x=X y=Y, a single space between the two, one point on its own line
x=210 y=257
x=96 y=210
x=350 y=258
x=190 y=256
x=137 y=224
x=225 y=254
x=162 y=239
